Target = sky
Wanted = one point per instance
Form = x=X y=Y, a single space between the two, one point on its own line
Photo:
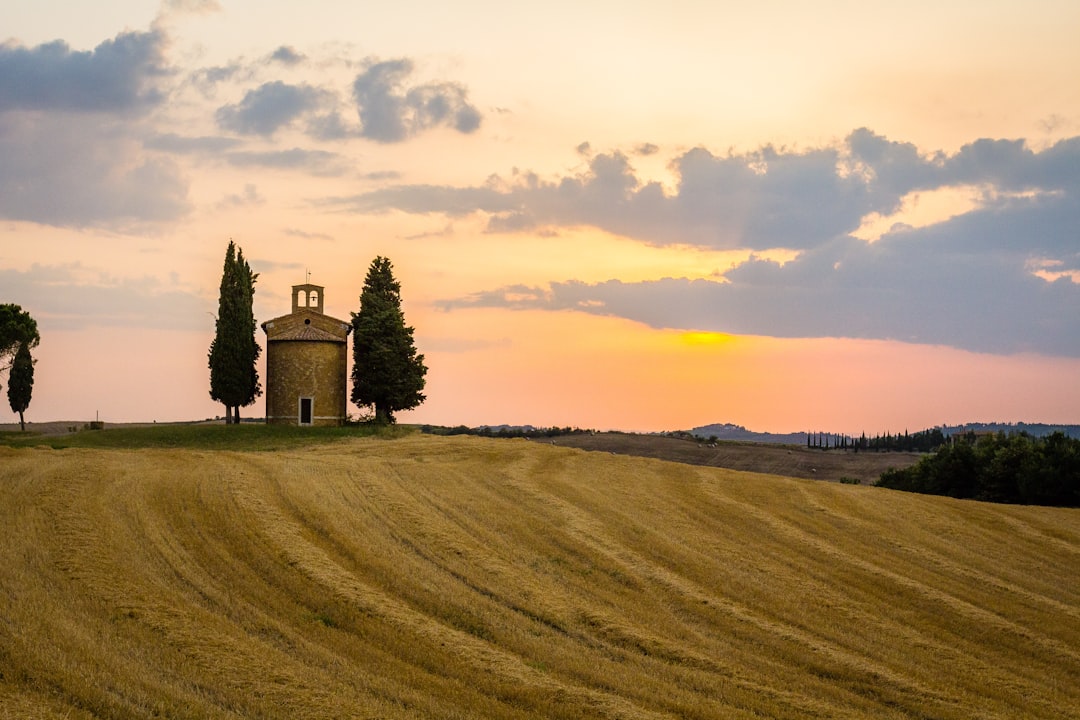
x=840 y=216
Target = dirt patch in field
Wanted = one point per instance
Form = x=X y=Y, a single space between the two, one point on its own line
x=788 y=460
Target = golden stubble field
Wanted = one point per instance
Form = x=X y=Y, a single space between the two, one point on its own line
x=467 y=578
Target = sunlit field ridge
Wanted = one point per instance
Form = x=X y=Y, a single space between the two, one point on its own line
x=432 y=577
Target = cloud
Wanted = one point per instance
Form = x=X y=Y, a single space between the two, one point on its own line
x=250 y=197
x=118 y=76
x=456 y=345
x=330 y=126
x=721 y=202
x=70 y=129
x=423 y=199
x=316 y=162
x=305 y=235
x=61 y=170
x=763 y=199
x=183 y=145
x=270 y=107
x=287 y=55
x=264 y=265
x=999 y=277
x=193 y=7
x=446 y=231
x=207 y=79
x=646 y=149
x=72 y=297
x=886 y=290
x=392 y=112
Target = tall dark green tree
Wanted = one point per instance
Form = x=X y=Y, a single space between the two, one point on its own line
x=234 y=379
x=387 y=374
x=17 y=328
x=21 y=382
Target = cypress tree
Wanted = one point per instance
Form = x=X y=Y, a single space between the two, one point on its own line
x=250 y=347
x=21 y=382
x=16 y=328
x=234 y=379
x=387 y=371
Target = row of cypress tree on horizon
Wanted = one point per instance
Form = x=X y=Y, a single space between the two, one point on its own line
x=922 y=441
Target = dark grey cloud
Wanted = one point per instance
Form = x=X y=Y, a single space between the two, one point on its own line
x=330 y=126
x=968 y=282
x=270 y=107
x=71 y=124
x=767 y=198
x=894 y=289
x=392 y=111
x=646 y=149
x=65 y=170
x=118 y=76
x=191 y=145
x=287 y=55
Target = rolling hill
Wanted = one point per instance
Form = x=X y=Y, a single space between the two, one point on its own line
x=432 y=577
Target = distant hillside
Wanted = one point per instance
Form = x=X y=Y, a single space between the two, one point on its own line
x=728 y=431
x=791 y=461
x=465 y=577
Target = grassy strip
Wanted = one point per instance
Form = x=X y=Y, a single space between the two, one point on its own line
x=246 y=436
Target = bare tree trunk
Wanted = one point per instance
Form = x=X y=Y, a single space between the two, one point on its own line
x=22 y=424
x=228 y=414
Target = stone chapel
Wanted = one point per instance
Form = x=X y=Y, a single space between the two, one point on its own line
x=306 y=363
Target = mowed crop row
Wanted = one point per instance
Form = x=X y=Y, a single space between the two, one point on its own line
x=467 y=578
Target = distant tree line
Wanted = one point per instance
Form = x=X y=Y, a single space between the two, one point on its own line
x=1000 y=468
x=505 y=431
x=922 y=441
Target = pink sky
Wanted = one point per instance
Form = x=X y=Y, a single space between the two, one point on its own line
x=632 y=216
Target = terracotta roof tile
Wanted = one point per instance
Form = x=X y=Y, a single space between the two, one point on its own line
x=309 y=333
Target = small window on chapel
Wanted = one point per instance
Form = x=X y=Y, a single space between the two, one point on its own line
x=313 y=301
x=301 y=296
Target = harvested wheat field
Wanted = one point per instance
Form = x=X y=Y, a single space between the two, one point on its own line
x=431 y=577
